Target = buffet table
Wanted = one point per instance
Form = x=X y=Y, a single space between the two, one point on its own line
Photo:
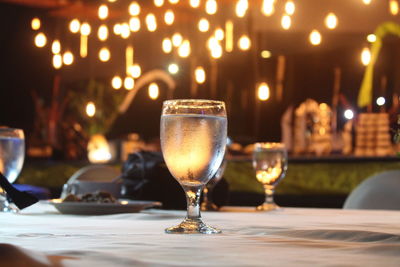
x=290 y=236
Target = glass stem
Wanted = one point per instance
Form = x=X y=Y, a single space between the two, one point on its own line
x=269 y=194
x=193 y=201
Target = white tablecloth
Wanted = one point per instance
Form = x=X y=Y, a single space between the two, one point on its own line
x=291 y=236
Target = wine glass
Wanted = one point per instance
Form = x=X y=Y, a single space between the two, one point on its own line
x=12 y=153
x=270 y=164
x=208 y=203
x=193 y=138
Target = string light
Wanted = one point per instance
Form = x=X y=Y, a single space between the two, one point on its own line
x=244 y=42
x=154 y=91
x=90 y=109
x=367 y=2
x=85 y=29
x=102 y=32
x=83 y=49
x=151 y=22
x=103 y=12
x=35 y=24
x=380 y=101
x=331 y=21
x=268 y=7
x=117 y=29
x=167 y=45
x=286 y=22
x=211 y=7
x=57 y=61
x=184 y=49
x=158 y=3
x=68 y=58
x=194 y=3
x=216 y=51
x=134 y=9
x=263 y=91
x=104 y=54
x=173 y=68
x=290 y=7
x=315 y=37
x=135 y=71
x=348 y=114
x=203 y=25
x=266 y=54
x=74 y=26
x=229 y=36
x=169 y=17
x=56 y=47
x=371 y=38
x=241 y=8
x=394 y=7
x=177 y=39
x=125 y=31
x=365 y=56
x=129 y=83
x=134 y=24
x=200 y=75
x=116 y=82
x=174 y=2
x=219 y=34
x=40 y=39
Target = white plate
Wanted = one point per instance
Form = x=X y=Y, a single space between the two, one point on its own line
x=88 y=208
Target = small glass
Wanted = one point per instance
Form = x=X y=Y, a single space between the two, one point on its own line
x=193 y=139
x=270 y=164
x=12 y=154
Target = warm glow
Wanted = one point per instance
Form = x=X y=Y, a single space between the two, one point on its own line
x=134 y=9
x=265 y=54
x=117 y=29
x=129 y=53
x=134 y=24
x=367 y=2
x=173 y=68
x=290 y=7
x=365 y=56
x=195 y=3
x=154 y=91
x=219 y=34
x=169 y=17
x=83 y=49
x=244 y=42
x=229 y=36
x=129 y=83
x=380 y=101
x=103 y=12
x=241 y=8
x=56 y=47
x=286 y=22
x=102 y=32
x=151 y=22
x=331 y=21
x=35 y=24
x=68 y=58
x=174 y=1
x=167 y=45
x=268 y=7
x=135 y=71
x=200 y=75
x=394 y=7
x=158 y=3
x=216 y=51
x=203 y=25
x=116 y=82
x=98 y=149
x=348 y=114
x=315 y=37
x=40 y=40
x=90 y=109
x=74 y=26
x=125 y=30
x=371 y=38
x=212 y=43
x=184 y=49
x=57 y=61
x=211 y=7
x=263 y=91
x=177 y=39
x=85 y=29
x=104 y=54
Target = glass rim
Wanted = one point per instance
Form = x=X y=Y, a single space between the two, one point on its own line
x=269 y=145
x=211 y=102
x=9 y=129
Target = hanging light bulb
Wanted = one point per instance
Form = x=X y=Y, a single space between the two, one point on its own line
x=103 y=11
x=194 y=3
x=134 y=24
x=74 y=26
x=129 y=83
x=57 y=61
x=315 y=37
x=177 y=39
x=394 y=7
x=184 y=49
x=117 y=29
x=216 y=51
x=68 y=58
x=244 y=42
x=40 y=39
x=211 y=7
x=169 y=17
x=200 y=75
x=173 y=68
x=90 y=109
x=83 y=49
x=158 y=3
x=241 y=8
x=229 y=36
x=102 y=32
x=219 y=34
x=263 y=91
x=85 y=29
x=174 y=2
x=134 y=9
x=203 y=25
x=290 y=7
x=151 y=22
x=135 y=71
x=212 y=42
x=367 y=2
x=331 y=21
x=56 y=47
x=266 y=54
x=125 y=30
x=286 y=22
x=116 y=82
x=35 y=24
x=365 y=56
x=167 y=45
x=268 y=7
x=371 y=38
x=154 y=91
x=104 y=54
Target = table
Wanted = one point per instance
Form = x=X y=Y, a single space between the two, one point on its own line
x=291 y=236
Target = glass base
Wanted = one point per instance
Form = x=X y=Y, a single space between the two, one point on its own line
x=192 y=226
x=268 y=207
x=5 y=205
